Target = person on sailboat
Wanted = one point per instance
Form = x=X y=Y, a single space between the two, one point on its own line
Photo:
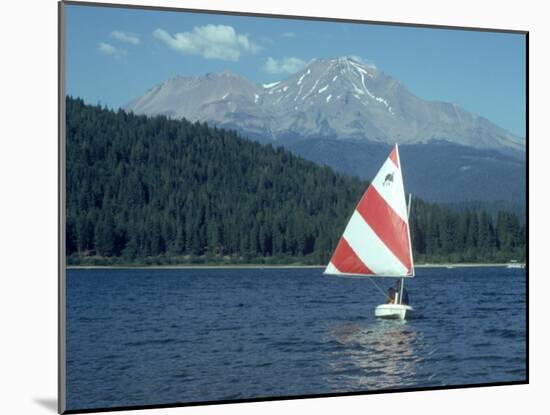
x=405 y=299
x=391 y=296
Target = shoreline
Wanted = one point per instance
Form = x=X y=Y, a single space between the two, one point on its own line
x=259 y=266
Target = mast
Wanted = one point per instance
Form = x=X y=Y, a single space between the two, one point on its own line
x=409 y=232
x=408 y=217
x=402 y=285
x=403 y=279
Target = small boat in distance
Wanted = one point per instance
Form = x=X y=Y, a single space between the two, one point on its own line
x=515 y=264
x=376 y=241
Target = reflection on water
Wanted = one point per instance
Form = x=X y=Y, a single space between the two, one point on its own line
x=383 y=354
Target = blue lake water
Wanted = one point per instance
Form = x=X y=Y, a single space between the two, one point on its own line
x=150 y=337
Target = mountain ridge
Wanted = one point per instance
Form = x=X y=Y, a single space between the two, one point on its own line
x=330 y=98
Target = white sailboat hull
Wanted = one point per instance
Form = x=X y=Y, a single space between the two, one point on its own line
x=393 y=311
x=515 y=266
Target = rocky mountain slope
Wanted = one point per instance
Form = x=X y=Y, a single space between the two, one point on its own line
x=345 y=114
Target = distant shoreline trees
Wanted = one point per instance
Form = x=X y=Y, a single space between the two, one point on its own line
x=159 y=191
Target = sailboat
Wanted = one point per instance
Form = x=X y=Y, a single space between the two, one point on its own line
x=377 y=240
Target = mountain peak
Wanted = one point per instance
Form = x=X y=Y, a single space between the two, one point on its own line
x=346 y=64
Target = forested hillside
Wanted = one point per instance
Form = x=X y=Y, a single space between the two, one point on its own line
x=440 y=234
x=152 y=190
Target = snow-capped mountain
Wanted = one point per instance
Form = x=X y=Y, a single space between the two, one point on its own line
x=346 y=114
x=331 y=98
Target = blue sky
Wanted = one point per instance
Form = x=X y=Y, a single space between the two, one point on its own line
x=114 y=55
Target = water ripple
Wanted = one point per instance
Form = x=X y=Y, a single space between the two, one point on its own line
x=142 y=337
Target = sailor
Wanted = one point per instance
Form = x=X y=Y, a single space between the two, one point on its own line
x=391 y=296
x=405 y=299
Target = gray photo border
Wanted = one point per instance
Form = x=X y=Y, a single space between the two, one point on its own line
x=62 y=299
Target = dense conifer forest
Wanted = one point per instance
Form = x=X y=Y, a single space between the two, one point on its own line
x=158 y=191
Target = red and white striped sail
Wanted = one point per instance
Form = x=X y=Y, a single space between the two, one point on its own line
x=376 y=241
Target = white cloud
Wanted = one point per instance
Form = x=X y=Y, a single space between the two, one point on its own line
x=284 y=65
x=210 y=41
x=291 y=35
x=126 y=37
x=108 y=49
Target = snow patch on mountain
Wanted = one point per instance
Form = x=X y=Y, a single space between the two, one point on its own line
x=323 y=89
x=271 y=85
